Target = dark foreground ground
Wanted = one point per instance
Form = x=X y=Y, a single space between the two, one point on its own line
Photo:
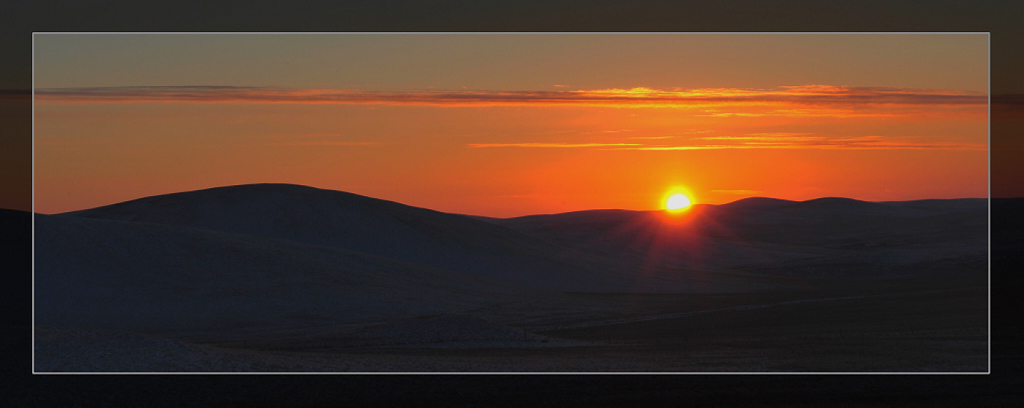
x=1000 y=388
x=290 y=278
x=899 y=337
x=934 y=325
x=908 y=327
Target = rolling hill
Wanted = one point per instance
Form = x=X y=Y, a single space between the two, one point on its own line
x=891 y=239
x=387 y=229
x=276 y=265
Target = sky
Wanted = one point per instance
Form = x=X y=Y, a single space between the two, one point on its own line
x=512 y=124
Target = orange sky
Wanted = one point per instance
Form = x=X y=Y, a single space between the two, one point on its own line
x=506 y=151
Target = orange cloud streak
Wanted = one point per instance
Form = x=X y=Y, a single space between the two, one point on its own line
x=808 y=100
x=768 y=141
x=833 y=144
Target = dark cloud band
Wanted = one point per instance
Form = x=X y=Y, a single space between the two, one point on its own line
x=636 y=97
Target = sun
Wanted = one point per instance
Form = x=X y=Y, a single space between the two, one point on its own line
x=677 y=202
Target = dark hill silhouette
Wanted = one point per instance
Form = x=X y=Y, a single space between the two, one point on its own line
x=314 y=216
x=343 y=220
x=765 y=231
x=273 y=264
x=757 y=203
x=956 y=204
x=764 y=219
x=583 y=250
x=383 y=228
x=450 y=241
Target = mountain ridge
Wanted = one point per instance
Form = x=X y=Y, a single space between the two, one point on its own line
x=590 y=245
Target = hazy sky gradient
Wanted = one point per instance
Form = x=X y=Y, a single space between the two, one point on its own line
x=507 y=125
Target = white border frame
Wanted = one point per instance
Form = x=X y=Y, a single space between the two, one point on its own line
x=989 y=198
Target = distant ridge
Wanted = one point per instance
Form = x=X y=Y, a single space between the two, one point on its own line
x=841 y=206
x=573 y=250
x=733 y=233
x=757 y=203
x=352 y=222
x=925 y=207
x=964 y=204
x=330 y=218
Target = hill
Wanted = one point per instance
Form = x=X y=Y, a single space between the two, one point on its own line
x=387 y=229
x=771 y=236
x=120 y=275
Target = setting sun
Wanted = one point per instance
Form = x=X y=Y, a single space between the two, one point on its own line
x=677 y=202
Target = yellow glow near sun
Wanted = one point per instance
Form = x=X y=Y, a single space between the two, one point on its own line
x=677 y=202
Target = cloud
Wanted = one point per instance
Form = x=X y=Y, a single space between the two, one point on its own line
x=766 y=141
x=773 y=140
x=807 y=100
x=817 y=142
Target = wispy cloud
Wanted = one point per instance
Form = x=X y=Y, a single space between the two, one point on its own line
x=814 y=142
x=765 y=141
x=808 y=100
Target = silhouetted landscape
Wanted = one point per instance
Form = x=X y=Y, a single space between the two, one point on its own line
x=277 y=277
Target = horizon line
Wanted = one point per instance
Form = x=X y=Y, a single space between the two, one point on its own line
x=527 y=215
